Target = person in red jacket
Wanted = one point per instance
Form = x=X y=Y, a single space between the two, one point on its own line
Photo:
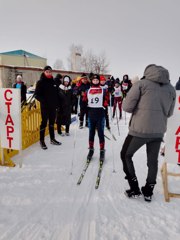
x=97 y=99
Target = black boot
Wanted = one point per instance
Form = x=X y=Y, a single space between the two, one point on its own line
x=147 y=191
x=102 y=155
x=43 y=145
x=90 y=154
x=134 y=191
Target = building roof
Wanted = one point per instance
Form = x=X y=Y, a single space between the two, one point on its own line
x=20 y=53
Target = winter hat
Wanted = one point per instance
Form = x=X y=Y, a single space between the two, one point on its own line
x=66 y=78
x=19 y=78
x=126 y=78
x=102 y=78
x=96 y=76
x=117 y=80
x=59 y=76
x=84 y=75
x=47 y=68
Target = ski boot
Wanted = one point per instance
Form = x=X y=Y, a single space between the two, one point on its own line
x=102 y=155
x=90 y=154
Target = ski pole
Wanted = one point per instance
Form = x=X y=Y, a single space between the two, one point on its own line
x=75 y=137
x=110 y=107
x=113 y=157
x=117 y=121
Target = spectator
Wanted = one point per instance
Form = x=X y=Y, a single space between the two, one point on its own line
x=81 y=88
x=151 y=101
x=58 y=79
x=64 y=109
x=21 y=85
x=177 y=87
x=46 y=94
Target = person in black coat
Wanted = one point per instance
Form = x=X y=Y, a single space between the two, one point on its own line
x=80 y=90
x=46 y=94
x=126 y=85
x=64 y=107
x=21 y=85
x=58 y=79
x=177 y=87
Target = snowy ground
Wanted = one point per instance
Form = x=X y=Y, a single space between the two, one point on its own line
x=42 y=201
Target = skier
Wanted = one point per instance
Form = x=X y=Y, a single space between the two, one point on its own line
x=81 y=87
x=105 y=86
x=97 y=99
x=64 y=106
x=118 y=98
x=126 y=85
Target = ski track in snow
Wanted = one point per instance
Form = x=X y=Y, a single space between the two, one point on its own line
x=42 y=201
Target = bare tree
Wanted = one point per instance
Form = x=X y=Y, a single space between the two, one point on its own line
x=92 y=63
x=59 y=64
x=88 y=61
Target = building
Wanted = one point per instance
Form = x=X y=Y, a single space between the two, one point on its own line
x=22 y=58
x=20 y=62
x=26 y=64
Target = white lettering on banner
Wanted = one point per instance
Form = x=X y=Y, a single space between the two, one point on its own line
x=172 y=140
x=10 y=118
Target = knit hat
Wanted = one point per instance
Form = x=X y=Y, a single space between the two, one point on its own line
x=19 y=78
x=59 y=76
x=47 y=68
x=117 y=80
x=66 y=78
x=96 y=76
x=83 y=75
x=102 y=78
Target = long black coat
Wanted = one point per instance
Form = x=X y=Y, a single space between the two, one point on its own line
x=65 y=103
x=46 y=92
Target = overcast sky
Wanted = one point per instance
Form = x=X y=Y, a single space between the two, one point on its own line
x=132 y=33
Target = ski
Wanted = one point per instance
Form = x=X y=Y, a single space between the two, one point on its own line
x=112 y=135
x=83 y=171
x=99 y=174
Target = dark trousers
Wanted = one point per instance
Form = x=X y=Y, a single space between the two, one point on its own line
x=93 y=124
x=47 y=115
x=130 y=146
x=83 y=113
x=59 y=128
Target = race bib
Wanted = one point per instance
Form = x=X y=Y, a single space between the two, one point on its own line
x=95 y=98
x=125 y=86
x=117 y=92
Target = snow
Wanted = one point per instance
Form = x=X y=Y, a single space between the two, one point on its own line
x=41 y=200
